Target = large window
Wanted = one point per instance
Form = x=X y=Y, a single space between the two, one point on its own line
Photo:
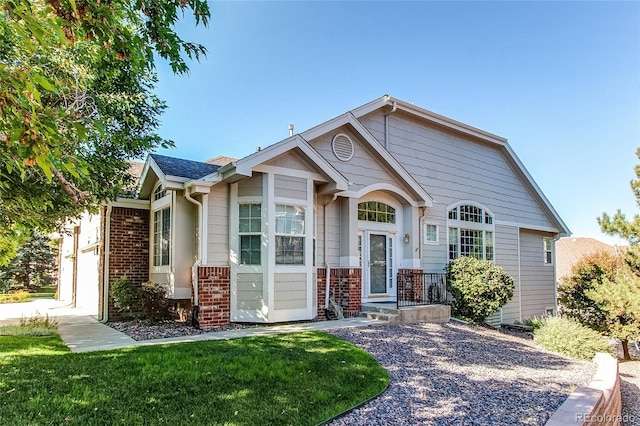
x=290 y=231
x=162 y=237
x=250 y=231
x=470 y=232
x=375 y=211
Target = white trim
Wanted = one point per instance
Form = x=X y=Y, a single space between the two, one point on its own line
x=520 y=279
x=131 y=203
x=266 y=168
x=349 y=262
x=526 y=226
x=234 y=256
x=387 y=187
x=204 y=234
x=424 y=234
x=552 y=251
x=473 y=203
x=268 y=241
x=474 y=226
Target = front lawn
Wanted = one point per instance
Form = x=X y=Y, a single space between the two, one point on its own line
x=289 y=379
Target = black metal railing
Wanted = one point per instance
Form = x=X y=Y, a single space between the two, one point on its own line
x=421 y=288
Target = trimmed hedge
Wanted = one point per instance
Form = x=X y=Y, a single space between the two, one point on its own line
x=568 y=337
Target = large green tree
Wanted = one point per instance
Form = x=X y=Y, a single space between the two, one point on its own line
x=33 y=265
x=77 y=101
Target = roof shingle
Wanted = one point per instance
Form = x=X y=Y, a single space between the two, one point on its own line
x=190 y=169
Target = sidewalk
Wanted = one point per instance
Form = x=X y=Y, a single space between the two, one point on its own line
x=84 y=333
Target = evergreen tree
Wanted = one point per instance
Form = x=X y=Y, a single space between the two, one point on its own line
x=32 y=267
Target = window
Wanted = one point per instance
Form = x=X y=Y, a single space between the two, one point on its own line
x=161 y=237
x=159 y=193
x=548 y=251
x=430 y=234
x=250 y=232
x=374 y=211
x=471 y=232
x=290 y=234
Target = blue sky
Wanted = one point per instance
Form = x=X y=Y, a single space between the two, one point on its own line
x=559 y=80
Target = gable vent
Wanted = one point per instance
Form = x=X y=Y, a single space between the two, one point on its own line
x=342 y=146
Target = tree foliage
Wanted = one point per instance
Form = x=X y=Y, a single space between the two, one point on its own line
x=33 y=265
x=479 y=288
x=573 y=290
x=76 y=99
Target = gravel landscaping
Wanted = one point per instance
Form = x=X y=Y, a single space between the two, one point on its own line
x=630 y=389
x=453 y=374
x=142 y=330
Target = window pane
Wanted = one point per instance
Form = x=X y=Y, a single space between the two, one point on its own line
x=250 y=249
x=488 y=245
x=471 y=243
x=166 y=232
x=289 y=250
x=470 y=213
x=432 y=233
x=453 y=243
x=374 y=211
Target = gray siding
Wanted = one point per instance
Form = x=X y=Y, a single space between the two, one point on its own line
x=250 y=291
x=290 y=187
x=218 y=226
x=251 y=187
x=452 y=168
x=538 y=280
x=362 y=170
x=333 y=237
x=290 y=291
x=291 y=161
x=507 y=258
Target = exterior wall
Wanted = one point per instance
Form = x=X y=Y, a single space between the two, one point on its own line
x=291 y=160
x=218 y=226
x=290 y=291
x=88 y=262
x=333 y=232
x=507 y=256
x=250 y=291
x=538 y=278
x=214 y=288
x=345 y=286
x=184 y=242
x=66 y=267
x=128 y=249
x=290 y=187
x=453 y=168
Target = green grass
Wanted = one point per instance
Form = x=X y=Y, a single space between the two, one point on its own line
x=288 y=379
x=45 y=292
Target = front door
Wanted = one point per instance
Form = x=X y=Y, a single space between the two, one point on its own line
x=378 y=266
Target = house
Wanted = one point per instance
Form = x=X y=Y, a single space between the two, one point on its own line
x=570 y=250
x=341 y=210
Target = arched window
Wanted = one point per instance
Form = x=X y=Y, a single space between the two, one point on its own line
x=375 y=211
x=471 y=232
x=159 y=192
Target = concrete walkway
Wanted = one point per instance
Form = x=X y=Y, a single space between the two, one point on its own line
x=84 y=333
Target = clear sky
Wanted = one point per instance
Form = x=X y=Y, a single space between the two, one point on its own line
x=559 y=80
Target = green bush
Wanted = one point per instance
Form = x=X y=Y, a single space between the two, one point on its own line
x=153 y=303
x=147 y=300
x=15 y=297
x=568 y=337
x=124 y=294
x=479 y=288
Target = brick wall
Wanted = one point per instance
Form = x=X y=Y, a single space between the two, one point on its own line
x=128 y=249
x=410 y=286
x=345 y=286
x=214 y=289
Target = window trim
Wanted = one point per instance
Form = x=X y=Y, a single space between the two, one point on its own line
x=550 y=252
x=303 y=235
x=486 y=224
x=425 y=234
x=163 y=203
x=249 y=233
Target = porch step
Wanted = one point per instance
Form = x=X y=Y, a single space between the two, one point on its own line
x=380 y=311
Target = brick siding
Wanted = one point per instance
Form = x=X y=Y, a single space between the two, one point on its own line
x=345 y=286
x=128 y=250
x=214 y=289
x=410 y=287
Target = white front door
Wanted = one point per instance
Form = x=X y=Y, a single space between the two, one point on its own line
x=377 y=266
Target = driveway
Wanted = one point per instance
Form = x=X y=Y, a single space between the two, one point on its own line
x=12 y=312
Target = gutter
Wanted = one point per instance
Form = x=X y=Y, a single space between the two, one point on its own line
x=394 y=108
x=105 y=255
x=326 y=251
x=198 y=262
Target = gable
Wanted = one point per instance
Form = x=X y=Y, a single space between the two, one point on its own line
x=292 y=160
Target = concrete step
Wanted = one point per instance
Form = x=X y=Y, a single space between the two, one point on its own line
x=382 y=316
x=379 y=308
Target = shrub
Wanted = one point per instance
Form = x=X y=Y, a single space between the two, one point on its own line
x=479 y=288
x=568 y=337
x=573 y=290
x=153 y=303
x=16 y=297
x=124 y=294
x=33 y=326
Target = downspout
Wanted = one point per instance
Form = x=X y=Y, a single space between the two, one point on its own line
x=197 y=263
x=105 y=253
x=386 y=123
x=326 y=252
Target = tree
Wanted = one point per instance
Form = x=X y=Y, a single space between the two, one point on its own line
x=479 y=287
x=619 y=301
x=77 y=101
x=32 y=267
x=573 y=290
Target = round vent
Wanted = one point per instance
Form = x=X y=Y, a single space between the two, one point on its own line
x=342 y=147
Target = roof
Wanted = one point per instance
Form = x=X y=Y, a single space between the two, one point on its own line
x=179 y=167
x=221 y=160
x=571 y=250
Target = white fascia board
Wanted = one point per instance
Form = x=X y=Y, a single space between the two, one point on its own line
x=522 y=170
x=131 y=203
x=146 y=185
